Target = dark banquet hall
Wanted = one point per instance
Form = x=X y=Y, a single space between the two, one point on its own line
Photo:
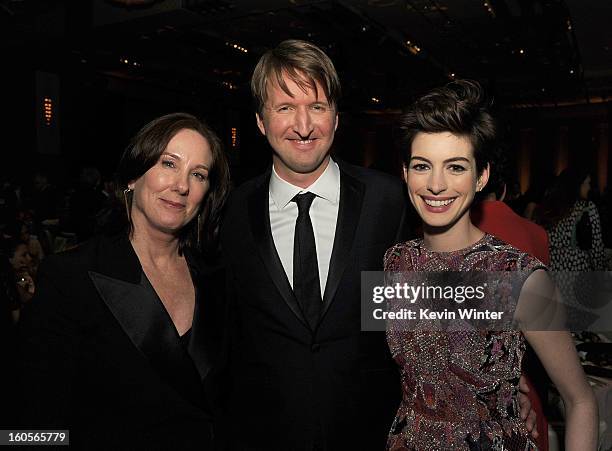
x=102 y=99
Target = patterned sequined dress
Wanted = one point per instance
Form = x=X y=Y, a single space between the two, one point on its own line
x=459 y=389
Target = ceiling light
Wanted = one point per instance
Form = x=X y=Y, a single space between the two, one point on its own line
x=412 y=47
x=237 y=47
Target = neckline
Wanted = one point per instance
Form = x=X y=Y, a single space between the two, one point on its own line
x=464 y=250
x=187 y=334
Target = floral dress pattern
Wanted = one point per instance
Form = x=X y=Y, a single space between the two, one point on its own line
x=460 y=388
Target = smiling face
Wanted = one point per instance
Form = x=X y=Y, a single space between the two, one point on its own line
x=442 y=179
x=169 y=194
x=300 y=130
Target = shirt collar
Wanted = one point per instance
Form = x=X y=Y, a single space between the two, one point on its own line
x=327 y=186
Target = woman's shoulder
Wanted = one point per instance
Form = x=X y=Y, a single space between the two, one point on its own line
x=505 y=256
x=582 y=205
x=74 y=256
x=85 y=256
x=63 y=283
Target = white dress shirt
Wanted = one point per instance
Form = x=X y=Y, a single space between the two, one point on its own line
x=323 y=215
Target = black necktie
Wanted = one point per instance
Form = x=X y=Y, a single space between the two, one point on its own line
x=306 y=285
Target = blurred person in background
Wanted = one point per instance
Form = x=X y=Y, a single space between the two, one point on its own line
x=492 y=215
x=86 y=202
x=43 y=198
x=20 y=230
x=17 y=282
x=606 y=224
x=529 y=202
x=10 y=304
x=8 y=200
x=572 y=222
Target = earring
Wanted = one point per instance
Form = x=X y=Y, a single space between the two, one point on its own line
x=127 y=205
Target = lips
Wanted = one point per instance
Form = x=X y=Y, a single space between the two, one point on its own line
x=169 y=203
x=302 y=142
x=438 y=205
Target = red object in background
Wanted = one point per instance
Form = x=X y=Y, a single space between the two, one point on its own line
x=496 y=218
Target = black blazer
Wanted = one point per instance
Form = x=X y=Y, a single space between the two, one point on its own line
x=100 y=355
x=293 y=388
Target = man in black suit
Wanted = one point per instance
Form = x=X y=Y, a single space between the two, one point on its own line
x=302 y=374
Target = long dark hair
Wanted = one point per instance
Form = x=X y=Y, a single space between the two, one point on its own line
x=144 y=152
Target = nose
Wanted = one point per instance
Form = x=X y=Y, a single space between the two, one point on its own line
x=436 y=182
x=303 y=122
x=181 y=183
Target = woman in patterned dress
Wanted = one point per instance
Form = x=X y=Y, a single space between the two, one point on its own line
x=575 y=241
x=460 y=388
x=573 y=224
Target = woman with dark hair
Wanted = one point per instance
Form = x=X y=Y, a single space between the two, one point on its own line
x=20 y=230
x=17 y=283
x=123 y=342
x=460 y=387
x=572 y=223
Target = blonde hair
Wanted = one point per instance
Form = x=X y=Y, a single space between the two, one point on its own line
x=304 y=63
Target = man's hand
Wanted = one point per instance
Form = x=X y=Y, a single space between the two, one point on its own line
x=528 y=415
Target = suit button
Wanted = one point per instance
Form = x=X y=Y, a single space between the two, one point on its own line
x=315 y=347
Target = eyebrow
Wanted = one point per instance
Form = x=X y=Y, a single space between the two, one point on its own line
x=290 y=103
x=449 y=160
x=176 y=157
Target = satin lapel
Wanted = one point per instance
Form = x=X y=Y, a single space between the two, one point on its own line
x=349 y=210
x=198 y=349
x=262 y=234
x=141 y=315
x=205 y=341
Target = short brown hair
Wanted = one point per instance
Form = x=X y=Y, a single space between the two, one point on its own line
x=144 y=152
x=304 y=63
x=461 y=108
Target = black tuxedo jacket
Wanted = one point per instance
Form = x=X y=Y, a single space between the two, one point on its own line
x=293 y=388
x=100 y=355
